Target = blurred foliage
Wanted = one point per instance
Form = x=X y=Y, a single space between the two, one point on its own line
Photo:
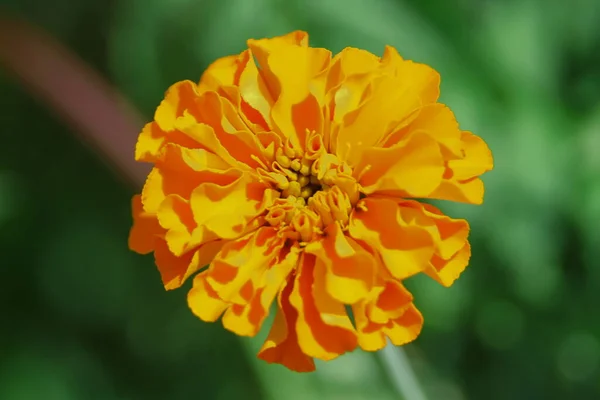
x=86 y=319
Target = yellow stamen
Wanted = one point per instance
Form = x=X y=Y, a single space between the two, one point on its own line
x=306 y=192
x=295 y=165
x=283 y=160
x=303 y=180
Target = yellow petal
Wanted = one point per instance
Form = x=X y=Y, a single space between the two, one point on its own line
x=180 y=172
x=265 y=283
x=452 y=250
x=389 y=313
x=350 y=268
x=323 y=327
x=240 y=260
x=203 y=300
x=438 y=122
x=461 y=182
x=254 y=91
x=405 y=329
x=412 y=168
x=228 y=209
x=391 y=100
x=222 y=72
x=145 y=228
x=287 y=74
x=476 y=161
x=400 y=238
x=229 y=129
x=174 y=269
x=282 y=346
x=182 y=233
x=261 y=50
x=179 y=98
x=446 y=271
x=162 y=183
x=422 y=77
x=453 y=233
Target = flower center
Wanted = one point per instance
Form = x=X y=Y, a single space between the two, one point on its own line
x=317 y=189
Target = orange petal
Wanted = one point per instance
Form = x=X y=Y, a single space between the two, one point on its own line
x=476 y=161
x=461 y=181
x=288 y=74
x=173 y=269
x=222 y=72
x=453 y=233
x=168 y=179
x=204 y=301
x=190 y=126
x=470 y=191
x=347 y=81
x=452 y=250
x=323 y=327
x=389 y=313
x=145 y=228
x=182 y=233
x=411 y=168
x=392 y=98
x=399 y=235
x=262 y=48
x=179 y=98
x=254 y=91
x=446 y=271
x=265 y=283
x=350 y=268
x=282 y=346
x=240 y=260
x=171 y=183
x=438 y=122
x=229 y=209
x=406 y=328
x=423 y=79
x=229 y=129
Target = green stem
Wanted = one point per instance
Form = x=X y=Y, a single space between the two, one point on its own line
x=401 y=373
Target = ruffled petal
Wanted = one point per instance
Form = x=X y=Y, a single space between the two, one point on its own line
x=424 y=79
x=390 y=101
x=179 y=98
x=282 y=345
x=223 y=72
x=180 y=172
x=399 y=235
x=391 y=314
x=243 y=279
x=204 y=301
x=174 y=270
x=288 y=74
x=438 y=122
x=260 y=291
x=350 y=269
x=228 y=210
x=145 y=228
x=229 y=129
x=461 y=178
x=411 y=168
x=450 y=240
x=323 y=327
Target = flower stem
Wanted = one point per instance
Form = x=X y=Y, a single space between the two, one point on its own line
x=401 y=373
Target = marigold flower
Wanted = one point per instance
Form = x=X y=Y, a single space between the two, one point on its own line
x=293 y=174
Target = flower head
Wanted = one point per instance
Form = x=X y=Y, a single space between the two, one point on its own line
x=293 y=175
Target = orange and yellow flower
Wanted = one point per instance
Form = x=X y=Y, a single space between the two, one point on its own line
x=293 y=175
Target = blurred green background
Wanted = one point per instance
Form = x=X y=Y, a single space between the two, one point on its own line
x=84 y=318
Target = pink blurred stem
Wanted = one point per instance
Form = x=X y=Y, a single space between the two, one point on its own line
x=78 y=95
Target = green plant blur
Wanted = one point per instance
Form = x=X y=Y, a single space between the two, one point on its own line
x=84 y=318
